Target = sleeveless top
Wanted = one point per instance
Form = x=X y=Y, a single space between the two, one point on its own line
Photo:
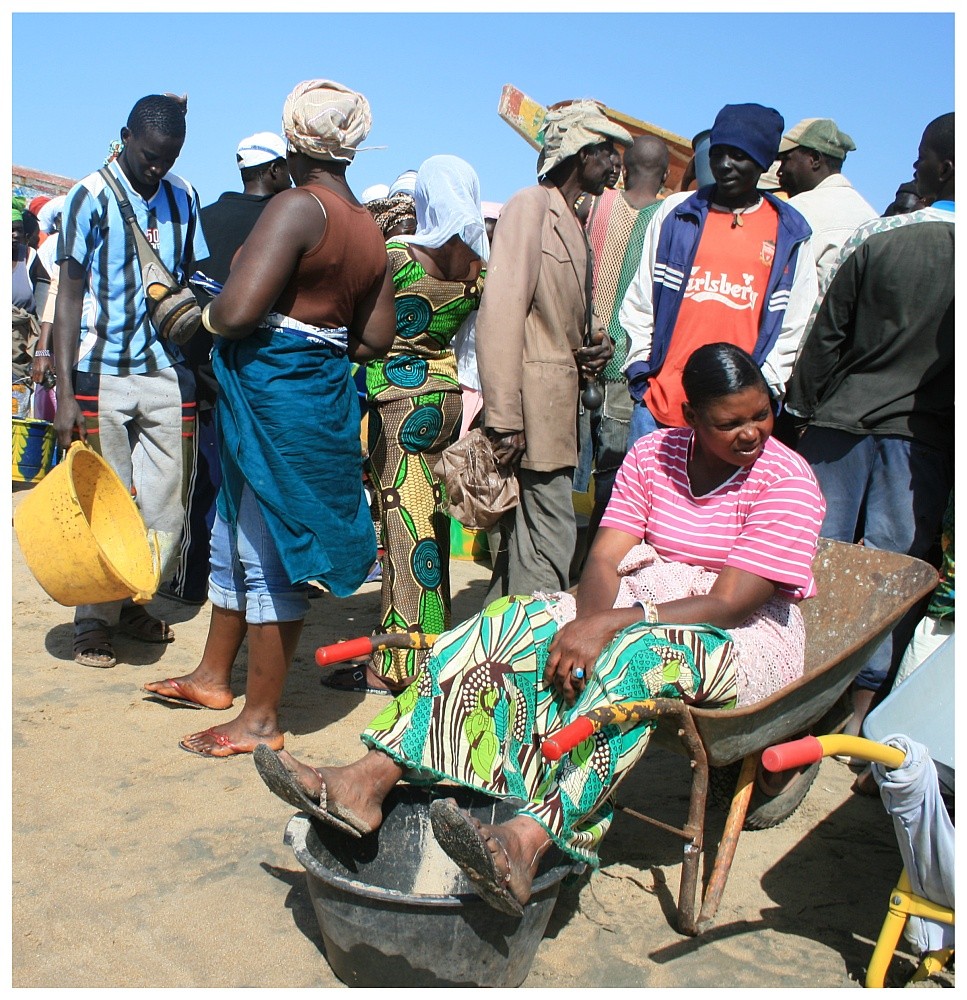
x=429 y=312
x=342 y=267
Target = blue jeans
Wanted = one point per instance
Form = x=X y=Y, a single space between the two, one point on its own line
x=889 y=491
x=246 y=572
x=642 y=423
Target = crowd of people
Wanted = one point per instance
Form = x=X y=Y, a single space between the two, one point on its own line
x=744 y=365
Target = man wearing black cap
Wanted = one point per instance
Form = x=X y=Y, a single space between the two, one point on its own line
x=727 y=262
x=227 y=222
x=811 y=159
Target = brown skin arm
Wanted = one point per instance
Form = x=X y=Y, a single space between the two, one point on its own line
x=67 y=327
x=290 y=224
x=41 y=366
x=373 y=328
x=734 y=596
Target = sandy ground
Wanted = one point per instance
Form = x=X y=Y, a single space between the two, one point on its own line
x=136 y=864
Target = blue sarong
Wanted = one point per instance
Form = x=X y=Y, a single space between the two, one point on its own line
x=288 y=420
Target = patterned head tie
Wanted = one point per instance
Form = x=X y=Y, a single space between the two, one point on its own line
x=390 y=212
x=569 y=129
x=326 y=120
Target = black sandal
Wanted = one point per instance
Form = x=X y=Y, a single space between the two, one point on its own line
x=92 y=644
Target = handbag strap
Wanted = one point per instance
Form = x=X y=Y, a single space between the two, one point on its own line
x=145 y=251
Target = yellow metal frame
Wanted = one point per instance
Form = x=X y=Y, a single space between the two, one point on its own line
x=904 y=903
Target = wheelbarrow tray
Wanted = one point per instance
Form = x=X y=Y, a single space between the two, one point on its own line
x=862 y=594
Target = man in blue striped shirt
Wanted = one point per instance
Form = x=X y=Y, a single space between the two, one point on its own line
x=123 y=389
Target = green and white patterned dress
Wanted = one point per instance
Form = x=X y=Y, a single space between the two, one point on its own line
x=415 y=412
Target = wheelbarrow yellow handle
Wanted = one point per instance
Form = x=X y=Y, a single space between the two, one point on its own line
x=365 y=645
x=809 y=749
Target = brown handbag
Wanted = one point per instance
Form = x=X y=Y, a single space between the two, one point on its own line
x=479 y=491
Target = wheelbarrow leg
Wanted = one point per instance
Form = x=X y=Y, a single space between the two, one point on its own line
x=730 y=839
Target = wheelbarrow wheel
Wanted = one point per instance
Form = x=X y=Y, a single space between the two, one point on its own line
x=774 y=797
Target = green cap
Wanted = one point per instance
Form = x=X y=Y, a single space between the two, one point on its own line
x=820 y=134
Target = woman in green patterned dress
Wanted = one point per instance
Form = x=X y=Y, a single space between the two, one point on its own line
x=415 y=412
x=714 y=523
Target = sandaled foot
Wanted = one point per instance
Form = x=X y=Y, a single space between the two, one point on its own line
x=276 y=770
x=482 y=853
x=222 y=741
x=137 y=623
x=185 y=691
x=357 y=678
x=92 y=644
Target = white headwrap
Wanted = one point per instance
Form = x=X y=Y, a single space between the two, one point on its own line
x=326 y=120
x=404 y=184
x=447 y=199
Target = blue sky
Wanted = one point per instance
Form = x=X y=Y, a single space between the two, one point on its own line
x=434 y=81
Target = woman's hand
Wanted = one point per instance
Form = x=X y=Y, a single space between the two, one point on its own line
x=576 y=648
x=40 y=367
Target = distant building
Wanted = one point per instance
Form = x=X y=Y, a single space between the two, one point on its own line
x=33 y=183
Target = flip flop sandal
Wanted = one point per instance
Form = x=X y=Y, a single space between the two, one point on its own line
x=219 y=738
x=171 y=699
x=464 y=844
x=352 y=679
x=92 y=644
x=137 y=623
x=281 y=782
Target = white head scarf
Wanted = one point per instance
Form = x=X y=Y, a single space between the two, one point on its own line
x=447 y=199
x=326 y=120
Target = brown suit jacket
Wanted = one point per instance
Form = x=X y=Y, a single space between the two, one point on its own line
x=532 y=318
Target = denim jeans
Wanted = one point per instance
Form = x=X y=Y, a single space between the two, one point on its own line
x=642 y=423
x=246 y=572
x=888 y=490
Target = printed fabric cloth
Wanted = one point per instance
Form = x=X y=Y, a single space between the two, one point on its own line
x=288 y=417
x=478 y=711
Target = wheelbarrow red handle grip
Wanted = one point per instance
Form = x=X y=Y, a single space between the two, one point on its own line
x=554 y=747
x=796 y=753
x=339 y=652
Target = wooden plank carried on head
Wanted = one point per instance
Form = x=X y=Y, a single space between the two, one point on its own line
x=526 y=117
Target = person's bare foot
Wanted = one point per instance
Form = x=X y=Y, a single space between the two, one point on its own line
x=501 y=860
x=230 y=739
x=353 y=793
x=192 y=691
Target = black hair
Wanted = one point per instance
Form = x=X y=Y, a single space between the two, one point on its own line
x=250 y=174
x=159 y=113
x=716 y=370
x=31 y=225
x=939 y=136
x=833 y=163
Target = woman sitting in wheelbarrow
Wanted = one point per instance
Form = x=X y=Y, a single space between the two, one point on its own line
x=713 y=523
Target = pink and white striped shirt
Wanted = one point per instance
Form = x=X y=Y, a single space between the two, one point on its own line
x=764 y=519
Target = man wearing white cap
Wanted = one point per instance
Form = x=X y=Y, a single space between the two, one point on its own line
x=811 y=156
x=226 y=223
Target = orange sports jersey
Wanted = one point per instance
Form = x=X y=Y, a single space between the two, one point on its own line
x=723 y=301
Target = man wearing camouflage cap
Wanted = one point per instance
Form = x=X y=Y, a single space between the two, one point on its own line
x=531 y=351
x=811 y=157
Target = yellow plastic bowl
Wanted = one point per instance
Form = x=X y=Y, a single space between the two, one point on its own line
x=82 y=534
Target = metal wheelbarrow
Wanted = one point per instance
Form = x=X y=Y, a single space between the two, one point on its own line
x=862 y=593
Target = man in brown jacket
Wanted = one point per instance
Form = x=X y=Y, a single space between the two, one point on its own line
x=531 y=349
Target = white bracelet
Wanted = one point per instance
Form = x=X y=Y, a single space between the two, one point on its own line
x=206 y=322
x=649 y=611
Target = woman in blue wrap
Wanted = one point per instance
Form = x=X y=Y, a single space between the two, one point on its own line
x=309 y=293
